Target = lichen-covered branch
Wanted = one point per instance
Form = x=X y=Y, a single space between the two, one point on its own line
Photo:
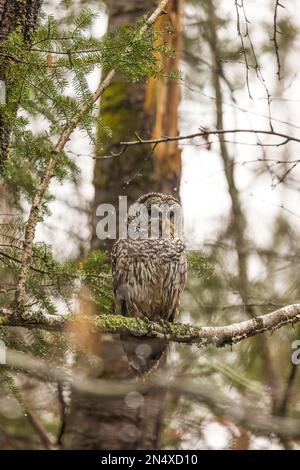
x=177 y=332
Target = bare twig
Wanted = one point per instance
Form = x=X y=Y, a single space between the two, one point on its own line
x=241 y=6
x=275 y=32
x=205 y=132
x=243 y=49
x=234 y=104
x=286 y=173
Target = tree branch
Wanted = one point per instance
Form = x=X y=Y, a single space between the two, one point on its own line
x=202 y=133
x=206 y=132
x=253 y=418
x=274 y=39
x=203 y=336
x=49 y=170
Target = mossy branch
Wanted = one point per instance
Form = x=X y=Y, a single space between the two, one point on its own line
x=203 y=336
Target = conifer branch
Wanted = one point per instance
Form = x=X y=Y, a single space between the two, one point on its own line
x=49 y=171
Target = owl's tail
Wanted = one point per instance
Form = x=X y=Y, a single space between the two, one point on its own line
x=144 y=355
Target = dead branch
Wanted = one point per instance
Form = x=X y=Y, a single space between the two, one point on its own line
x=275 y=32
x=206 y=132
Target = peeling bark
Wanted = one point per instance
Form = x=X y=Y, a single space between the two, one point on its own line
x=163 y=97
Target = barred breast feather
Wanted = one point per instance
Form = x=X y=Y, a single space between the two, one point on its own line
x=148 y=278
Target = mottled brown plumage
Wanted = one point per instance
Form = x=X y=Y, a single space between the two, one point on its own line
x=148 y=278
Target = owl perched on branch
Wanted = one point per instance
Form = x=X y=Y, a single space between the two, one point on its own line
x=149 y=272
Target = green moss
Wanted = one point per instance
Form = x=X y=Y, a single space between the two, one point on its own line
x=115 y=114
x=114 y=323
x=117 y=322
x=178 y=329
x=3 y=321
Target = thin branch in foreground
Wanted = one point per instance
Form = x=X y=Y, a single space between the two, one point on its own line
x=283 y=408
x=253 y=418
x=32 y=419
x=49 y=170
x=202 y=336
x=62 y=413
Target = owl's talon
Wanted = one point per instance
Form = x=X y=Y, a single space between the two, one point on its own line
x=163 y=323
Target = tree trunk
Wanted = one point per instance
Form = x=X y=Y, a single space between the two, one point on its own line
x=14 y=14
x=150 y=110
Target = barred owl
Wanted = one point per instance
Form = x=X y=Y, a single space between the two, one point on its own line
x=149 y=274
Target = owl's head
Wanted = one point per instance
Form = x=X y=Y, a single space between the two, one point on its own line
x=157 y=199
x=155 y=215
